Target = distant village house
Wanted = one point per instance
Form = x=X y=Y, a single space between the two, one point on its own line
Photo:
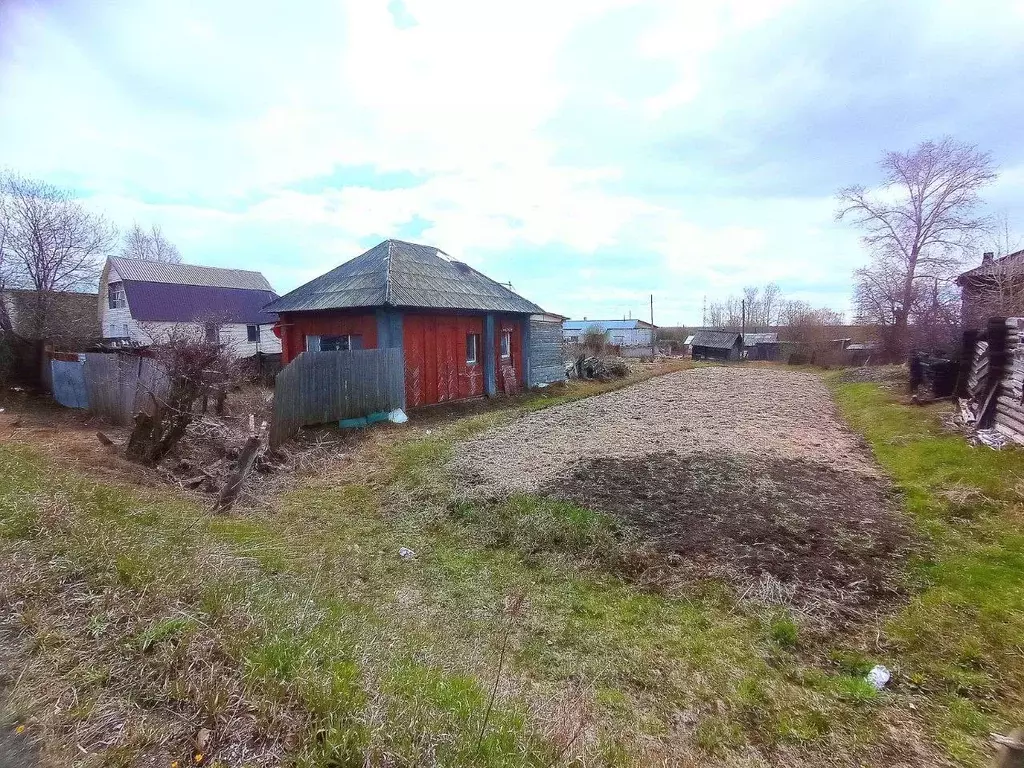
x=621 y=333
x=995 y=288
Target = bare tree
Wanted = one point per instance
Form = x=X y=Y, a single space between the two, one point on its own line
x=197 y=368
x=763 y=307
x=771 y=296
x=149 y=245
x=917 y=225
x=50 y=246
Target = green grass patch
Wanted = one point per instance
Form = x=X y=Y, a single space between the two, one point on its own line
x=960 y=636
x=349 y=654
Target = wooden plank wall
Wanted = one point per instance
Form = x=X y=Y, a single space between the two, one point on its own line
x=120 y=386
x=547 y=361
x=1009 y=410
x=322 y=387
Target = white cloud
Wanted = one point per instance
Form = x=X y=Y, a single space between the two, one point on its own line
x=229 y=127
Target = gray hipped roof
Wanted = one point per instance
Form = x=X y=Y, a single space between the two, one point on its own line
x=188 y=274
x=399 y=274
x=715 y=339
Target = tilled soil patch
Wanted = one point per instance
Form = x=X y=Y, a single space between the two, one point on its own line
x=819 y=535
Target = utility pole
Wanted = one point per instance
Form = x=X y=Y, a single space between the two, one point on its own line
x=704 y=313
x=652 y=326
x=743 y=325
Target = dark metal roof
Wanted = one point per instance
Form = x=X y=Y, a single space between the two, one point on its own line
x=715 y=339
x=175 y=303
x=395 y=273
x=188 y=274
x=1010 y=264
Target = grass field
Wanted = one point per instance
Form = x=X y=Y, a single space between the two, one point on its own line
x=142 y=631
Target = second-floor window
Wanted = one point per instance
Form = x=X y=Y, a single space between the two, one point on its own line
x=252 y=333
x=116 y=298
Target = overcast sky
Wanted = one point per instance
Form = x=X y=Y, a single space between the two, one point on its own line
x=589 y=151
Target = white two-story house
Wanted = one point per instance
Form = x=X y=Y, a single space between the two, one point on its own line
x=141 y=302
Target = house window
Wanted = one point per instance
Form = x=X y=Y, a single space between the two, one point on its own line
x=506 y=343
x=212 y=334
x=472 y=348
x=342 y=343
x=116 y=298
x=252 y=333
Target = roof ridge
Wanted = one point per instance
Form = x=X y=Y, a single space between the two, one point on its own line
x=387 y=271
x=186 y=264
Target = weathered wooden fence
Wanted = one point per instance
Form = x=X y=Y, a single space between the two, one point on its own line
x=993 y=376
x=321 y=387
x=119 y=386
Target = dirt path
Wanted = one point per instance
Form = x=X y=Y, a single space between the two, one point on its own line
x=746 y=474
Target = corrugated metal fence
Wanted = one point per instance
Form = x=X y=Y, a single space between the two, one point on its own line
x=321 y=387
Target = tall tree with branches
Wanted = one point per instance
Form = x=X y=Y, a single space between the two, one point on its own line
x=49 y=244
x=917 y=224
x=149 y=245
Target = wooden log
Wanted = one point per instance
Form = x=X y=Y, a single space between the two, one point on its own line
x=986 y=404
x=1004 y=421
x=1010 y=752
x=236 y=480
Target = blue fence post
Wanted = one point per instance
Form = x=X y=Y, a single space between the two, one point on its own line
x=490 y=377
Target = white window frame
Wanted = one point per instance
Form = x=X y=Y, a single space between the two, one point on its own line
x=475 y=358
x=249 y=335
x=117 y=298
x=506 y=344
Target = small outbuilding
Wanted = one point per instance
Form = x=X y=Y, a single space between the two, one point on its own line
x=462 y=334
x=761 y=346
x=716 y=345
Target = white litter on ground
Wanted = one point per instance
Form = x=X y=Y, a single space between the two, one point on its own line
x=878 y=676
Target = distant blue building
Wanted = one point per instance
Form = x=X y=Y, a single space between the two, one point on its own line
x=622 y=333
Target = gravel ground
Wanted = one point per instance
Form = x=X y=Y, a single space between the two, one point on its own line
x=763 y=412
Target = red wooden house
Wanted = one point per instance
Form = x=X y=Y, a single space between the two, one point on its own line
x=463 y=335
